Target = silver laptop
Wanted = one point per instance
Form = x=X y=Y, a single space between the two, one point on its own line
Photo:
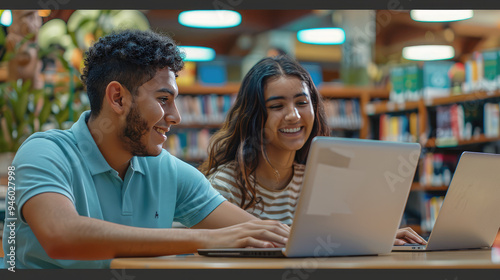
x=352 y=200
x=470 y=214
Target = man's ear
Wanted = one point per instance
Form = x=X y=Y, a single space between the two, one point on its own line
x=116 y=96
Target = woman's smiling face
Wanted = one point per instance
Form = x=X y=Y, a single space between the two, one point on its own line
x=290 y=114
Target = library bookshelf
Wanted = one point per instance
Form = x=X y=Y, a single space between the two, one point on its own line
x=479 y=139
x=363 y=94
x=426 y=133
x=200 y=89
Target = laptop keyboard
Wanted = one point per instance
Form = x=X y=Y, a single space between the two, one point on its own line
x=415 y=244
x=411 y=244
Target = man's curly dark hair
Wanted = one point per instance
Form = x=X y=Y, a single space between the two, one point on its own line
x=131 y=57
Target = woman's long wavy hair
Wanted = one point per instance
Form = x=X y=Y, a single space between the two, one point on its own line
x=241 y=137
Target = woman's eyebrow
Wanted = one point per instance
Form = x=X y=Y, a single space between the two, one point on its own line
x=282 y=97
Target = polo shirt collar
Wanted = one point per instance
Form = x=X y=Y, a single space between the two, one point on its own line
x=135 y=164
x=96 y=162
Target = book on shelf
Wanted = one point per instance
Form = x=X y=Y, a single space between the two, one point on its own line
x=436 y=81
x=188 y=144
x=403 y=129
x=432 y=204
x=479 y=75
x=482 y=71
x=410 y=82
x=413 y=82
x=463 y=122
x=457 y=120
x=204 y=109
x=397 y=78
x=343 y=113
x=414 y=127
x=399 y=128
x=437 y=178
x=436 y=78
x=444 y=131
x=394 y=127
x=436 y=169
x=470 y=70
x=473 y=121
x=383 y=127
x=491 y=119
x=490 y=70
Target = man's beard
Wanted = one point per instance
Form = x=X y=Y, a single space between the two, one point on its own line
x=136 y=128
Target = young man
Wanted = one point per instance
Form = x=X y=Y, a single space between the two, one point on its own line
x=105 y=188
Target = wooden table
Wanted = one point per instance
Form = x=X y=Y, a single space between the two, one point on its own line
x=464 y=259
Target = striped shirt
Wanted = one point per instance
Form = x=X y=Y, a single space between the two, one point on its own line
x=273 y=204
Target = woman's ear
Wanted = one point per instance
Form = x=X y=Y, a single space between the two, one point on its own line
x=115 y=95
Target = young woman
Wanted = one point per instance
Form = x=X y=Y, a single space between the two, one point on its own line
x=257 y=159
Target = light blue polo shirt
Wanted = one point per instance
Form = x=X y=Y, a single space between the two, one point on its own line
x=155 y=192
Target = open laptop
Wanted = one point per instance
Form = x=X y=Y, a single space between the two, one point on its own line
x=470 y=214
x=352 y=200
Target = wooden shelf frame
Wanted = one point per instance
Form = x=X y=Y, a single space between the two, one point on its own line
x=330 y=91
x=418 y=187
x=230 y=88
x=482 y=139
x=382 y=107
x=468 y=97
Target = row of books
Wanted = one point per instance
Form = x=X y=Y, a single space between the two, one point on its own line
x=343 y=113
x=188 y=144
x=436 y=169
x=204 y=109
x=442 y=78
x=491 y=121
x=432 y=204
x=406 y=83
x=412 y=82
x=482 y=71
x=399 y=128
x=463 y=122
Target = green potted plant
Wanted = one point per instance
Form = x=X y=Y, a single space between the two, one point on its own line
x=22 y=111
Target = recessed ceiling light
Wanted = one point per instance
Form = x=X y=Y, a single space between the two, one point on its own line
x=195 y=53
x=322 y=36
x=210 y=19
x=6 y=18
x=429 y=52
x=440 y=15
